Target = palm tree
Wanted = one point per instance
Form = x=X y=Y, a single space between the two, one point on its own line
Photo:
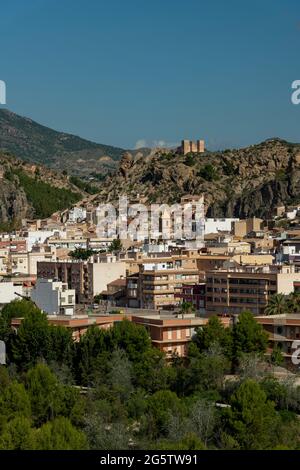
x=277 y=305
x=115 y=246
x=293 y=302
x=186 y=308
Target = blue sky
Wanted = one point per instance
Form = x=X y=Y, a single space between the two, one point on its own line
x=121 y=72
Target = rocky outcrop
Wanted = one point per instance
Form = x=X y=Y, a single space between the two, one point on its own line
x=13 y=203
x=239 y=182
x=125 y=164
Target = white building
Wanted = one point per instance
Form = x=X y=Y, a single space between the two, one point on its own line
x=219 y=225
x=37 y=237
x=54 y=297
x=76 y=214
x=9 y=292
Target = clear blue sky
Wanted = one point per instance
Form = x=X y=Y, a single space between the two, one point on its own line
x=122 y=71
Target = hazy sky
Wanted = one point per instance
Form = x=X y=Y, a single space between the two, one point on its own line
x=129 y=72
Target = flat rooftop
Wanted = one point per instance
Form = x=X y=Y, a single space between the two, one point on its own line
x=282 y=316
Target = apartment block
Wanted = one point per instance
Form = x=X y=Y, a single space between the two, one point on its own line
x=87 y=278
x=78 y=275
x=159 y=282
x=170 y=335
x=153 y=272
x=247 y=288
x=282 y=330
x=194 y=294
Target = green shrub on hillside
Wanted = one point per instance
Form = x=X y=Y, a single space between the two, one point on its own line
x=83 y=185
x=45 y=199
x=208 y=173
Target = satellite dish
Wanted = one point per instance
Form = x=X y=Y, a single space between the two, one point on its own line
x=2 y=353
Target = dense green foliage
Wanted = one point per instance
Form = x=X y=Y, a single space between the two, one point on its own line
x=10 y=226
x=115 y=246
x=100 y=176
x=208 y=172
x=114 y=390
x=45 y=199
x=280 y=303
x=84 y=185
x=190 y=159
x=81 y=253
x=228 y=168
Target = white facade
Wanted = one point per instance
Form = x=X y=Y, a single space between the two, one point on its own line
x=291 y=214
x=8 y=292
x=69 y=243
x=218 y=225
x=77 y=214
x=157 y=248
x=54 y=297
x=37 y=237
x=289 y=249
x=158 y=266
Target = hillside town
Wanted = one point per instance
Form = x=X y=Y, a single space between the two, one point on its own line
x=169 y=285
x=149 y=233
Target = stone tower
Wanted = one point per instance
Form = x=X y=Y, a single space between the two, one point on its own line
x=188 y=146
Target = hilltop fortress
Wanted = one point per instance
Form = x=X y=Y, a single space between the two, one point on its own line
x=188 y=146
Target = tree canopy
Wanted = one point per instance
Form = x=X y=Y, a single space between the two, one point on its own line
x=113 y=390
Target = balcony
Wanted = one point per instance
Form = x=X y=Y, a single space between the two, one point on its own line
x=158 y=291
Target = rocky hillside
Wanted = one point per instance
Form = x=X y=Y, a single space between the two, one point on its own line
x=33 y=142
x=28 y=190
x=239 y=182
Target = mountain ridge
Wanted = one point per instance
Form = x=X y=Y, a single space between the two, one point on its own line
x=37 y=143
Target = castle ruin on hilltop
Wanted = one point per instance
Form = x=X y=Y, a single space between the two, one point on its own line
x=188 y=146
